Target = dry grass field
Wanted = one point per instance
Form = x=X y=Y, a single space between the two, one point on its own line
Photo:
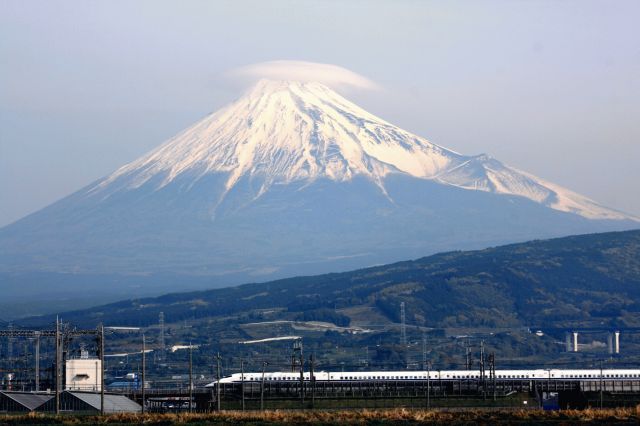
x=361 y=417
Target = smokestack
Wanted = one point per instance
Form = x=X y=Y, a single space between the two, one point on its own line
x=617 y=342
x=575 y=341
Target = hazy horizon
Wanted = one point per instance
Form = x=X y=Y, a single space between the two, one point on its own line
x=550 y=88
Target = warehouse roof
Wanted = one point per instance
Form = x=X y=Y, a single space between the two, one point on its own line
x=30 y=401
x=112 y=403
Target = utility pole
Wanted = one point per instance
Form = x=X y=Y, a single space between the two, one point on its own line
x=482 y=372
x=57 y=368
x=549 y=383
x=190 y=377
x=301 y=376
x=102 y=369
x=264 y=366
x=242 y=380
x=403 y=325
x=37 y=343
x=218 y=379
x=312 y=380
x=144 y=359
x=424 y=351
x=601 y=384
x=10 y=347
x=428 y=385
x=492 y=373
x=161 y=337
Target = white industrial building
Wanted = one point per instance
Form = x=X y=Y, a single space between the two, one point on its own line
x=83 y=374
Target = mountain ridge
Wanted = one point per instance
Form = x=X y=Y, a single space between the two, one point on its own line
x=291 y=179
x=540 y=282
x=286 y=131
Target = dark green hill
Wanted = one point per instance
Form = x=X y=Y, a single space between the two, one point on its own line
x=502 y=296
x=587 y=280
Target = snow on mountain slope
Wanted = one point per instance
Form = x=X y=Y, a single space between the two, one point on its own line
x=286 y=131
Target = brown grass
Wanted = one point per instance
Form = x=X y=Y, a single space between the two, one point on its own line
x=353 y=417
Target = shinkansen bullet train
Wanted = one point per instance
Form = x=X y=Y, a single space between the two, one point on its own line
x=444 y=375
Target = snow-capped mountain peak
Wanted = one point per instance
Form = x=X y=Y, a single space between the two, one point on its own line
x=285 y=131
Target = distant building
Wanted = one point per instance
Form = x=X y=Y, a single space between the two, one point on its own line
x=83 y=374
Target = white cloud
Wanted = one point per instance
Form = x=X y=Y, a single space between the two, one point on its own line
x=331 y=75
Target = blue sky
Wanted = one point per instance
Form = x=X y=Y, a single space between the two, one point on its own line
x=550 y=87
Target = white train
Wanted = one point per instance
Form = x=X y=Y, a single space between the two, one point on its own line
x=444 y=375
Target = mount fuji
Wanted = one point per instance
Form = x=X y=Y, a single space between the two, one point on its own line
x=292 y=178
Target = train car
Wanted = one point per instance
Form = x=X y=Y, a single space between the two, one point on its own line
x=441 y=375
